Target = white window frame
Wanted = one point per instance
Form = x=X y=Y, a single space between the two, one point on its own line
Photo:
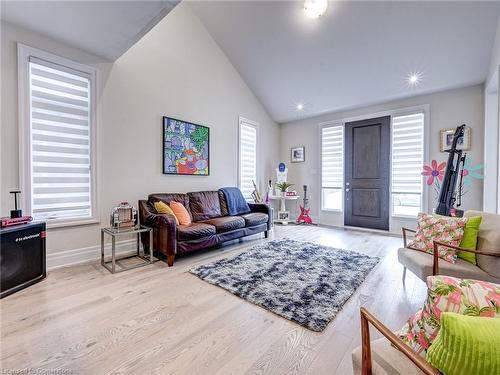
x=254 y=124
x=323 y=125
x=24 y=53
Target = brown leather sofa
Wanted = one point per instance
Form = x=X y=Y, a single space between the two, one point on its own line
x=211 y=223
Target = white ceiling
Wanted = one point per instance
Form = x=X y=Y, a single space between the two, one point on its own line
x=103 y=28
x=357 y=54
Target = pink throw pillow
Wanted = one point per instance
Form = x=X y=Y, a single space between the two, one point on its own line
x=448 y=230
x=449 y=294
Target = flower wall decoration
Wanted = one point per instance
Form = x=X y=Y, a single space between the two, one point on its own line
x=435 y=174
x=433 y=171
x=471 y=172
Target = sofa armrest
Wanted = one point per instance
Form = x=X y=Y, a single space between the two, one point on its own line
x=164 y=229
x=435 y=266
x=480 y=252
x=160 y=220
x=263 y=208
x=405 y=230
x=366 y=319
x=260 y=207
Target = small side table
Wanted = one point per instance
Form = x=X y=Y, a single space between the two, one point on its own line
x=114 y=232
x=283 y=199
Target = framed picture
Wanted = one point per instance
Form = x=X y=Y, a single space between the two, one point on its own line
x=298 y=154
x=284 y=215
x=446 y=139
x=186 y=148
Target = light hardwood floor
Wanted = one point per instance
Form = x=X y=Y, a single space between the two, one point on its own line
x=162 y=320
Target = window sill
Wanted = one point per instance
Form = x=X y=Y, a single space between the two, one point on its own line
x=409 y=217
x=54 y=224
x=332 y=210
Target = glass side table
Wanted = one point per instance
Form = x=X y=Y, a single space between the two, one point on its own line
x=115 y=232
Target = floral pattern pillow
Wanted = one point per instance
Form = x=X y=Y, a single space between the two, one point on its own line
x=449 y=230
x=449 y=294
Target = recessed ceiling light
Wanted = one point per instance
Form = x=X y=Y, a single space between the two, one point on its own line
x=413 y=79
x=300 y=107
x=315 y=8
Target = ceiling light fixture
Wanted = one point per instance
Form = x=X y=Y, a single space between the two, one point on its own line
x=413 y=79
x=300 y=107
x=315 y=8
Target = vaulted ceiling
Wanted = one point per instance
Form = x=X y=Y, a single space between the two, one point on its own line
x=103 y=28
x=358 y=53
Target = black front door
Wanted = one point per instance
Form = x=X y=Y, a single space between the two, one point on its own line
x=367 y=152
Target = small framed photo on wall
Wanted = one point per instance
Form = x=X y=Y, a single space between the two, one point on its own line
x=446 y=139
x=298 y=154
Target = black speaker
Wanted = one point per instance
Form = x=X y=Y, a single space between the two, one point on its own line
x=22 y=257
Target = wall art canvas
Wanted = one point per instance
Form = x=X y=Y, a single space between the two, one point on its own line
x=185 y=148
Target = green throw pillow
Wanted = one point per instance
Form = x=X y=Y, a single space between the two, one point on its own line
x=466 y=345
x=469 y=240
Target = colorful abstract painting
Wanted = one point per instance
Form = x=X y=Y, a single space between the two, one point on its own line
x=185 y=147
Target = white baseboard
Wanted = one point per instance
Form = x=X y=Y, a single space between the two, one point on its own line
x=85 y=254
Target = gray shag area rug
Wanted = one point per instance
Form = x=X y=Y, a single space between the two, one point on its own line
x=302 y=281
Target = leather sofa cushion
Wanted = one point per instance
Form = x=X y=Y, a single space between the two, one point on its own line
x=194 y=231
x=421 y=265
x=204 y=205
x=226 y=223
x=254 y=218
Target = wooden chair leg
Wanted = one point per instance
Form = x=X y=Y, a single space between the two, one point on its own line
x=170 y=260
x=404 y=275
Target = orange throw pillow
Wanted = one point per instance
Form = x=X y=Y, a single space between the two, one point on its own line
x=180 y=213
x=163 y=208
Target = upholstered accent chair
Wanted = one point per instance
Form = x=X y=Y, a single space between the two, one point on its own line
x=387 y=355
x=487 y=251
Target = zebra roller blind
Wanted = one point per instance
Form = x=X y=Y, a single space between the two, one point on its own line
x=248 y=158
x=332 y=167
x=60 y=141
x=407 y=161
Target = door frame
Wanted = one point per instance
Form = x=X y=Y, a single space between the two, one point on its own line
x=394 y=221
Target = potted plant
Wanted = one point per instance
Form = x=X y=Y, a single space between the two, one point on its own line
x=283 y=187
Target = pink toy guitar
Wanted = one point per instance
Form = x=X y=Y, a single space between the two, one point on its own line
x=304 y=217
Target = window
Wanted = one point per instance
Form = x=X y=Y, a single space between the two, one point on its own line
x=332 y=167
x=247 y=157
x=407 y=161
x=57 y=122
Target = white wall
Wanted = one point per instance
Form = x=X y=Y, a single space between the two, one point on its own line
x=495 y=54
x=448 y=109
x=492 y=130
x=177 y=70
x=491 y=201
